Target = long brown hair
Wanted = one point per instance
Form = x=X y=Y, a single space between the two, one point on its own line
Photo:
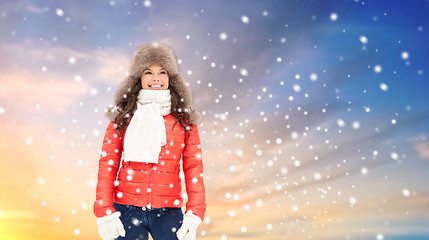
x=128 y=106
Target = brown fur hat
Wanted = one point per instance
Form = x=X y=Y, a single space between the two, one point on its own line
x=144 y=56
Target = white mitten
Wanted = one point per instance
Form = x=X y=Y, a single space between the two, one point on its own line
x=188 y=230
x=110 y=226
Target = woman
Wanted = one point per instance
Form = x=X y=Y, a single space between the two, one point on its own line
x=152 y=127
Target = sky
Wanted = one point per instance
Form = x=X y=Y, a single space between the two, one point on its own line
x=314 y=117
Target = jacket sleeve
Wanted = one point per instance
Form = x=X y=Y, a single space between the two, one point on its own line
x=193 y=169
x=109 y=163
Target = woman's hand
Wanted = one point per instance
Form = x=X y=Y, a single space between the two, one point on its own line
x=110 y=226
x=188 y=230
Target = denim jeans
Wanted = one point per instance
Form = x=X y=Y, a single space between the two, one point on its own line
x=161 y=223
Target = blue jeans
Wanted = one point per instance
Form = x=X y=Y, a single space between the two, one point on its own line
x=161 y=223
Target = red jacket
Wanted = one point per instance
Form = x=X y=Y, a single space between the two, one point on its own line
x=159 y=184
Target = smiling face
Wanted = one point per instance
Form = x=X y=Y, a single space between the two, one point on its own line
x=155 y=77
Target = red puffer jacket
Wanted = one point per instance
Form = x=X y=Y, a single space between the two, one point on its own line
x=158 y=185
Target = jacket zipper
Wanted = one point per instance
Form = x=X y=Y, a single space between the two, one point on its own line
x=149 y=206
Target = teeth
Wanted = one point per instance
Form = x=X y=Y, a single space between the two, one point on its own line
x=155 y=86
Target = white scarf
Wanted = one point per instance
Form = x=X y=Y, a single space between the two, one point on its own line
x=146 y=131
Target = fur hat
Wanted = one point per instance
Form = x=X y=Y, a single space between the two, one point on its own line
x=144 y=56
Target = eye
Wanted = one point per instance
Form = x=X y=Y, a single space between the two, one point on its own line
x=147 y=73
x=163 y=72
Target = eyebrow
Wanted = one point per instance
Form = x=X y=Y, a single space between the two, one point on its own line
x=152 y=69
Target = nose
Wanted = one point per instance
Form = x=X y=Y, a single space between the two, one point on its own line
x=156 y=77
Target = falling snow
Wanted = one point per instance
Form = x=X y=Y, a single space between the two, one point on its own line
x=363 y=39
x=59 y=12
x=333 y=17
x=377 y=68
x=223 y=36
x=245 y=19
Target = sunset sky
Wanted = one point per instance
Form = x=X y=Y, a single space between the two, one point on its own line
x=315 y=113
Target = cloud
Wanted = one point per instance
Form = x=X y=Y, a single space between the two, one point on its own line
x=37 y=9
x=423 y=150
x=25 y=90
x=53 y=77
x=10 y=215
x=108 y=65
x=420 y=145
x=113 y=65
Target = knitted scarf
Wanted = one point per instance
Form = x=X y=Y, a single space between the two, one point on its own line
x=146 y=131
